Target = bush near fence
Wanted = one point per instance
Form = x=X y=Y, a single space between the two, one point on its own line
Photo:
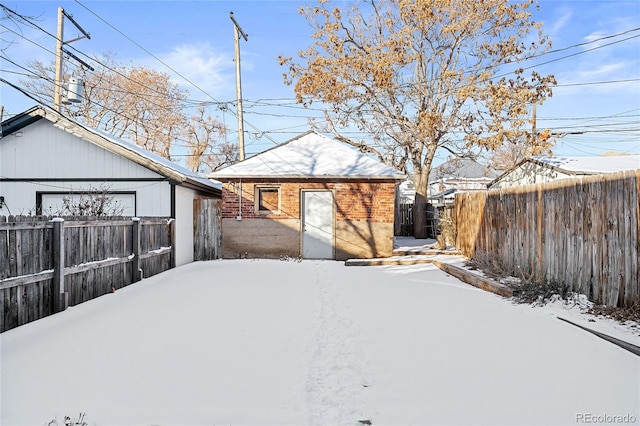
x=581 y=232
x=98 y=256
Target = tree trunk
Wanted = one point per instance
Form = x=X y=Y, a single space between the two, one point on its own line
x=420 y=216
x=421 y=182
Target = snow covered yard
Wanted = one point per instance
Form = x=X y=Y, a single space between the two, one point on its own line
x=260 y=342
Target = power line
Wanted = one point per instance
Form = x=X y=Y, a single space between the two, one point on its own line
x=588 y=42
x=161 y=61
x=261 y=102
x=28 y=39
x=28 y=95
x=175 y=139
x=569 y=56
x=597 y=83
x=160 y=95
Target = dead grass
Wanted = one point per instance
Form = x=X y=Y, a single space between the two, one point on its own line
x=526 y=290
x=620 y=314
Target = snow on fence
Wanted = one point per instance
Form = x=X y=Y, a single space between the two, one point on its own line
x=47 y=264
x=580 y=232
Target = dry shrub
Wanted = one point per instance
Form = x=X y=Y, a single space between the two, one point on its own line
x=527 y=290
x=631 y=313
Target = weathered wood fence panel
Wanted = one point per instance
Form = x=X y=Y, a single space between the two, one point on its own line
x=404 y=216
x=404 y=220
x=97 y=257
x=156 y=247
x=580 y=232
x=207 y=228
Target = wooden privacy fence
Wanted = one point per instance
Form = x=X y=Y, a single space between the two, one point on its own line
x=580 y=232
x=46 y=265
x=404 y=220
x=207 y=217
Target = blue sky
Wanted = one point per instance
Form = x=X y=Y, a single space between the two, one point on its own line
x=195 y=38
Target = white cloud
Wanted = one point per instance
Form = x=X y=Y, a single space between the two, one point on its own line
x=591 y=39
x=202 y=65
x=560 y=22
x=607 y=71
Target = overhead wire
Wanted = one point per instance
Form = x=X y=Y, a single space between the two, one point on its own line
x=261 y=102
x=215 y=101
x=569 y=56
x=293 y=100
x=33 y=74
x=162 y=62
x=186 y=143
x=94 y=59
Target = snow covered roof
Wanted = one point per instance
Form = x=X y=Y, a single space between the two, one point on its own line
x=310 y=155
x=462 y=168
x=591 y=165
x=109 y=142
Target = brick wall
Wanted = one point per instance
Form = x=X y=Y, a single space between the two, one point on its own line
x=355 y=201
x=364 y=214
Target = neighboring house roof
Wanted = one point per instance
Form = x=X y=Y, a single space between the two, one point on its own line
x=553 y=168
x=310 y=155
x=407 y=191
x=461 y=168
x=457 y=175
x=590 y=165
x=126 y=149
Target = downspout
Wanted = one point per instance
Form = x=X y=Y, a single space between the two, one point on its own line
x=239 y=217
x=172 y=212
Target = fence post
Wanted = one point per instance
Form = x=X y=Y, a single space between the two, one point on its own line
x=135 y=249
x=60 y=297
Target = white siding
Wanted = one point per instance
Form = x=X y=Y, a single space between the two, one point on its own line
x=45 y=151
x=528 y=173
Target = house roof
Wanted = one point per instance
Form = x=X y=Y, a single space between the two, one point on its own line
x=590 y=165
x=121 y=147
x=577 y=166
x=310 y=155
x=461 y=168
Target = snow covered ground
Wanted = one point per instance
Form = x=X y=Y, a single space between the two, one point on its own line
x=267 y=342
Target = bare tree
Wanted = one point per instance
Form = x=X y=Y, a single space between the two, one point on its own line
x=510 y=153
x=137 y=104
x=98 y=201
x=206 y=148
x=134 y=103
x=419 y=76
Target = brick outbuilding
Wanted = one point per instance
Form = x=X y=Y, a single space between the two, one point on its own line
x=311 y=197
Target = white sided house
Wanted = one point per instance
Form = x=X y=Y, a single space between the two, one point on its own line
x=46 y=156
x=547 y=169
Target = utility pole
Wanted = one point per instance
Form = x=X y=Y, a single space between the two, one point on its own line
x=57 y=85
x=237 y=33
x=58 y=81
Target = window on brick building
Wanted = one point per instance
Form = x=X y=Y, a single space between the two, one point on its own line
x=267 y=199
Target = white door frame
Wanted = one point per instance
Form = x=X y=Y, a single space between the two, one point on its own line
x=303 y=193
